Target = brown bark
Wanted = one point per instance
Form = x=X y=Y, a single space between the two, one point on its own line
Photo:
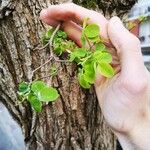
x=109 y=7
x=72 y=122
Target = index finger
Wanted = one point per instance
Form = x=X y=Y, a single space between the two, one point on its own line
x=70 y=11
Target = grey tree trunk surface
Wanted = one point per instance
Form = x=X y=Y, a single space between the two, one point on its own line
x=74 y=121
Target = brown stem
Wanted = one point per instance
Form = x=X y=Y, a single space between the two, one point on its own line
x=88 y=41
x=44 y=77
x=60 y=60
x=42 y=65
x=51 y=40
x=51 y=51
x=41 y=48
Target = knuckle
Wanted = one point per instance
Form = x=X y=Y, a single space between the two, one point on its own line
x=131 y=42
x=134 y=40
x=134 y=87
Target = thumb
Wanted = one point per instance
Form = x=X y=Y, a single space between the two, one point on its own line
x=129 y=52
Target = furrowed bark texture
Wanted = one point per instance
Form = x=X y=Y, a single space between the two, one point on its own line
x=110 y=7
x=74 y=121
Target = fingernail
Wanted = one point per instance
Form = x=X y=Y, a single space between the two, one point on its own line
x=43 y=14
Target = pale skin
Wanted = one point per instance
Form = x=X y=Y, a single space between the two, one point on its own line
x=125 y=98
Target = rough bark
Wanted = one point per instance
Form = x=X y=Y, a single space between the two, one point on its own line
x=110 y=7
x=72 y=122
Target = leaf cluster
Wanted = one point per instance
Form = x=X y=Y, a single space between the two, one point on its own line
x=61 y=43
x=92 y=57
x=36 y=93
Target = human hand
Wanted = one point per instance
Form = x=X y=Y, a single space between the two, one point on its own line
x=124 y=99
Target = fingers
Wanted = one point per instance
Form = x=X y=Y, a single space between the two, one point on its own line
x=73 y=31
x=70 y=11
x=129 y=52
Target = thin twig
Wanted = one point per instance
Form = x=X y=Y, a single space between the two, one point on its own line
x=92 y=46
x=44 y=77
x=60 y=60
x=88 y=41
x=41 y=48
x=42 y=65
x=51 y=40
x=50 y=44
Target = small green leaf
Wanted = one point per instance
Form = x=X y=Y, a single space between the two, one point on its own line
x=83 y=82
x=61 y=34
x=70 y=45
x=49 y=33
x=85 y=22
x=106 y=70
x=95 y=39
x=53 y=71
x=46 y=35
x=89 y=72
x=92 y=30
x=58 y=45
x=37 y=86
x=48 y=94
x=89 y=77
x=83 y=40
x=78 y=53
x=106 y=58
x=72 y=57
x=102 y=57
x=34 y=102
x=24 y=87
x=100 y=47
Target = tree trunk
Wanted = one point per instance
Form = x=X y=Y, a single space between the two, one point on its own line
x=72 y=122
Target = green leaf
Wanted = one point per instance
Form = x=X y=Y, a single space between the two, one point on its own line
x=92 y=30
x=37 y=86
x=48 y=94
x=83 y=40
x=106 y=70
x=72 y=57
x=34 y=102
x=61 y=34
x=53 y=71
x=46 y=35
x=89 y=72
x=58 y=51
x=60 y=45
x=83 y=82
x=95 y=39
x=70 y=45
x=102 y=57
x=78 y=53
x=100 y=47
x=49 y=33
x=106 y=58
x=24 y=87
x=89 y=77
x=85 y=22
